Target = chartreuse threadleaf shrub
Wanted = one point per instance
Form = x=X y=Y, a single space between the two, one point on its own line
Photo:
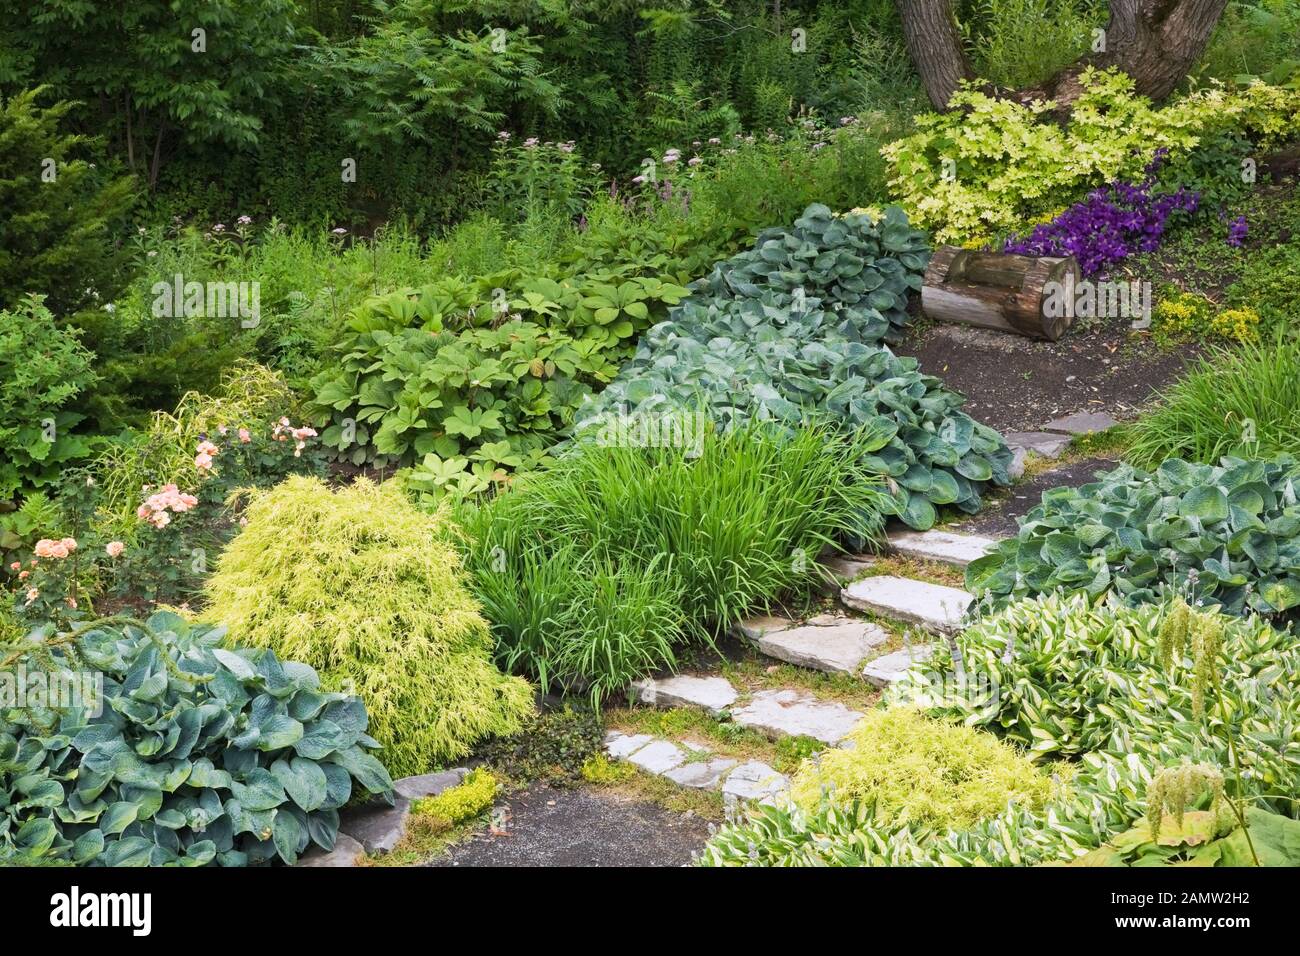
x=366 y=588
x=598 y=569
x=1227 y=534
x=914 y=768
x=1063 y=678
x=198 y=752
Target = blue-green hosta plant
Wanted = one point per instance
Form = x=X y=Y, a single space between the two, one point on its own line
x=1227 y=534
x=741 y=360
x=200 y=753
x=850 y=261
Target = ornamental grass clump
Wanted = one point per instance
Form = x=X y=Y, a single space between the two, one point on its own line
x=365 y=588
x=917 y=770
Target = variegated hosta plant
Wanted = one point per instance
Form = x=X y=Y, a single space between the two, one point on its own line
x=198 y=755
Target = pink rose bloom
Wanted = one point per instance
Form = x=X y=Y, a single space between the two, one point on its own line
x=59 y=550
x=69 y=543
x=142 y=512
x=24 y=575
x=114 y=548
x=202 y=461
x=72 y=603
x=244 y=436
x=304 y=432
x=32 y=595
x=44 y=548
x=161 y=520
x=17 y=565
x=207 y=448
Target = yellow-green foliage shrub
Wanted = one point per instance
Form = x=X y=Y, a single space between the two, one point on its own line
x=922 y=770
x=467 y=799
x=989 y=167
x=368 y=590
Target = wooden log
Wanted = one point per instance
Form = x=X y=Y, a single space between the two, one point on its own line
x=999 y=291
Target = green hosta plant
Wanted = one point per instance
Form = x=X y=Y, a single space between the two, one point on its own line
x=738 y=360
x=197 y=753
x=851 y=260
x=1229 y=534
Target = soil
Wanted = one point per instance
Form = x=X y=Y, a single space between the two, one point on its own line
x=547 y=826
x=998 y=519
x=1013 y=383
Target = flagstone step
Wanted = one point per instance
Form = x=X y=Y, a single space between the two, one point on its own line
x=944 y=547
x=689 y=765
x=883 y=671
x=832 y=643
x=935 y=607
x=793 y=713
x=711 y=694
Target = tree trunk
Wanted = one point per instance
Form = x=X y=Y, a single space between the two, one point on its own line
x=1154 y=41
x=1157 y=42
x=935 y=47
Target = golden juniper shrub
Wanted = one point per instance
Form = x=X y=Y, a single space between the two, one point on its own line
x=922 y=770
x=368 y=590
x=600 y=770
x=467 y=799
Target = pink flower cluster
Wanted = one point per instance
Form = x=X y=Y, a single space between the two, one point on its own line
x=155 y=508
x=284 y=430
x=203 y=460
x=48 y=548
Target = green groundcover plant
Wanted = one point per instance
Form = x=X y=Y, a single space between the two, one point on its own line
x=368 y=590
x=596 y=570
x=1225 y=533
x=1134 y=696
x=197 y=752
x=757 y=350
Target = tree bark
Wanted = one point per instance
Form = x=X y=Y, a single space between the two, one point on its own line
x=1157 y=42
x=935 y=47
x=1154 y=41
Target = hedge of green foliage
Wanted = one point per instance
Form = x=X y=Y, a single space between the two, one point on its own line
x=42 y=370
x=196 y=753
x=368 y=590
x=596 y=570
x=746 y=355
x=1226 y=533
x=1115 y=689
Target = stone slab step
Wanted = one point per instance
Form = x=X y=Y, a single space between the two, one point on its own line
x=883 y=671
x=689 y=765
x=836 y=645
x=711 y=694
x=1044 y=444
x=792 y=713
x=1082 y=423
x=957 y=550
x=935 y=607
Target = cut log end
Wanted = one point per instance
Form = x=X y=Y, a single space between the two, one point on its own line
x=999 y=291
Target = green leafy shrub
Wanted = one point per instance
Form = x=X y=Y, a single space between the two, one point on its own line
x=739 y=359
x=595 y=570
x=1270 y=284
x=42 y=370
x=925 y=771
x=60 y=219
x=462 y=802
x=989 y=166
x=1243 y=402
x=367 y=589
x=194 y=754
x=1227 y=534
